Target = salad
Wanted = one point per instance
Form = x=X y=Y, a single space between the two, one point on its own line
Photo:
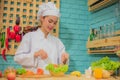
x=57 y=68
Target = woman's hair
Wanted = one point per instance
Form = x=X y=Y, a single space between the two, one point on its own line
x=40 y=22
x=32 y=28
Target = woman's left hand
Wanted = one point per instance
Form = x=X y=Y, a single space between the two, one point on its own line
x=65 y=57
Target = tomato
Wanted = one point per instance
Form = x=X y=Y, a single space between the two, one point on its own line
x=18 y=37
x=40 y=71
x=55 y=65
x=16 y=28
x=11 y=76
x=0 y=73
x=12 y=35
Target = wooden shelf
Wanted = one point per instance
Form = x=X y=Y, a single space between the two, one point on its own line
x=95 y=5
x=107 y=44
x=90 y=2
x=112 y=41
x=101 y=51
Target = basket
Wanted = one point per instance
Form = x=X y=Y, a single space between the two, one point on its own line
x=57 y=74
x=111 y=72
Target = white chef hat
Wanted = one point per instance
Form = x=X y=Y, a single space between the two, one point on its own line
x=47 y=9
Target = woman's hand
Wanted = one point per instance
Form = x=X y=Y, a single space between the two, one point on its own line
x=41 y=53
x=64 y=57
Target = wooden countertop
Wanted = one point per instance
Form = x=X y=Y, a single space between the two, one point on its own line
x=66 y=77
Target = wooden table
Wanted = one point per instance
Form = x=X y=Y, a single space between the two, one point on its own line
x=66 y=77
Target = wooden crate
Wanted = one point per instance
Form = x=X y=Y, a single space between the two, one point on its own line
x=27 y=11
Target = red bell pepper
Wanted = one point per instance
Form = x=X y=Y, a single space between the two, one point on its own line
x=3 y=54
x=8 y=32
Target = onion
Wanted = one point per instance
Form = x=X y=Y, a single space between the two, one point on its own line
x=106 y=74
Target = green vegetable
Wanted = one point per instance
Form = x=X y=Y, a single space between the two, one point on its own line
x=21 y=71
x=2 y=40
x=60 y=68
x=106 y=64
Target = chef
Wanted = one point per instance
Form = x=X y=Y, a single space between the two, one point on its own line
x=40 y=48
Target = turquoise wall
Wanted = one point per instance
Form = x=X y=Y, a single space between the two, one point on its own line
x=75 y=22
x=74 y=32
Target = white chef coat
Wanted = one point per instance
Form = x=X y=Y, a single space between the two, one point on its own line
x=33 y=42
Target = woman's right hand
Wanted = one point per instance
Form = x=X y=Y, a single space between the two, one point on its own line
x=41 y=53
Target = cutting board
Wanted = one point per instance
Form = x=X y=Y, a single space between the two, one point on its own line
x=34 y=76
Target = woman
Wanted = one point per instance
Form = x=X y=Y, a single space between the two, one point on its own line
x=39 y=48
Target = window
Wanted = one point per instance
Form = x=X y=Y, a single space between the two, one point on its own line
x=55 y=2
x=36 y=23
x=35 y=17
x=10 y=21
x=15 y=46
x=30 y=17
x=17 y=15
x=37 y=5
x=49 y=0
x=36 y=11
x=4 y=21
x=31 y=11
x=11 y=15
x=12 y=3
x=25 y=4
x=5 y=8
x=24 y=22
x=18 y=9
x=9 y=40
x=11 y=9
x=9 y=45
x=4 y=15
x=5 y=2
x=37 y=0
x=43 y=0
x=24 y=16
x=18 y=3
x=4 y=27
x=24 y=10
x=10 y=27
x=31 y=5
x=30 y=22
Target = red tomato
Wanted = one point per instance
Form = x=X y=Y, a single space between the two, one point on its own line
x=0 y=73
x=11 y=76
x=16 y=28
x=18 y=38
x=12 y=35
x=40 y=71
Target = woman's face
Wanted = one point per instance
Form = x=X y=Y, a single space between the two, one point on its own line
x=48 y=23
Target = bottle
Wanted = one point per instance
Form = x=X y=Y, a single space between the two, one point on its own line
x=92 y=36
x=100 y=33
x=104 y=31
x=112 y=29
